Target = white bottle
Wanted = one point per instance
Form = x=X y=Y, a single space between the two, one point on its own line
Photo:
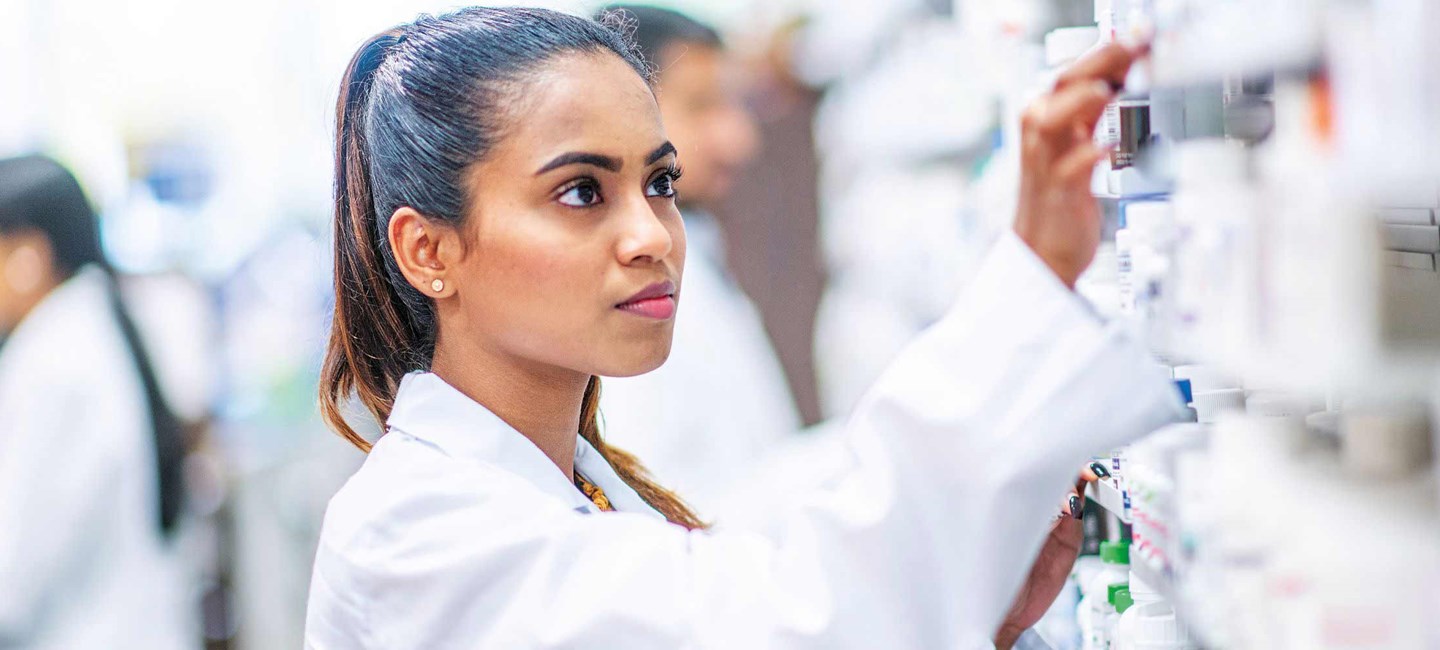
x=1094 y=602
x=1149 y=624
x=1124 y=269
x=1117 y=600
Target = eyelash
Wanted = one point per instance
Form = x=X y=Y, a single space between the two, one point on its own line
x=673 y=173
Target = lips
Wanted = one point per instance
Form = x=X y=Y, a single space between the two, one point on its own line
x=656 y=301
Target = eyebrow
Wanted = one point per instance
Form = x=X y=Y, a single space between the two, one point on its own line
x=607 y=163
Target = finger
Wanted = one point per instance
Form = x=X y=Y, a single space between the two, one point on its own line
x=1067 y=534
x=1073 y=111
x=1094 y=472
x=1077 y=164
x=1109 y=63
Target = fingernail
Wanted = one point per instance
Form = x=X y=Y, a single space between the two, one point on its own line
x=1103 y=88
x=1099 y=469
x=1076 y=510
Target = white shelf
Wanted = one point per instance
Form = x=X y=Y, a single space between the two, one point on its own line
x=1104 y=493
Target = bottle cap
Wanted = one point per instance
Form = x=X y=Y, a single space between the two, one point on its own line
x=1112 y=592
x=1115 y=552
x=1183 y=385
x=1120 y=598
x=1148 y=217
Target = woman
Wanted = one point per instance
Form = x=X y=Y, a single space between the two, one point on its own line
x=506 y=232
x=90 y=452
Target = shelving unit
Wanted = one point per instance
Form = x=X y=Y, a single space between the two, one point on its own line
x=1110 y=498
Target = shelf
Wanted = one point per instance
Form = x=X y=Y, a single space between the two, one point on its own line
x=1110 y=498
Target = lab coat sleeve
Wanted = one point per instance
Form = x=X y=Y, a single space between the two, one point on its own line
x=46 y=492
x=959 y=460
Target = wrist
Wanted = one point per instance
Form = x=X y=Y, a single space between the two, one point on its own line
x=1006 y=637
x=1057 y=260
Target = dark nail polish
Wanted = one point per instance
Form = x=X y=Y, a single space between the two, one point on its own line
x=1099 y=469
x=1076 y=510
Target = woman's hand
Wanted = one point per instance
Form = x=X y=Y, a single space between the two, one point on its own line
x=1057 y=216
x=1052 y=566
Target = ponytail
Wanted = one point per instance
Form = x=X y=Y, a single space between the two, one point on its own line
x=372 y=342
x=628 y=467
x=417 y=108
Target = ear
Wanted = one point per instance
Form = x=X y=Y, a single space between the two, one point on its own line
x=426 y=250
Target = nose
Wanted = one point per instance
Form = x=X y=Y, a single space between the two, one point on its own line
x=643 y=236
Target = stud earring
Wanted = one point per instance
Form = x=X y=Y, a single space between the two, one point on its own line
x=437 y=285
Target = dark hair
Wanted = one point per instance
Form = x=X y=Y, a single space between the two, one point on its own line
x=38 y=195
x=419 y=105
x=654 y=28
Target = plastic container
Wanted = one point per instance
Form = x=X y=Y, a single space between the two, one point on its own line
x=1150 y=626
x=1210 y=404
x=1204 y=378
x=1095 y=595
x=1385 y=442
x=1117 y=597
x=1146 y=621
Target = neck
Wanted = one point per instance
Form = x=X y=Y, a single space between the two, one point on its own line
x=541 y=402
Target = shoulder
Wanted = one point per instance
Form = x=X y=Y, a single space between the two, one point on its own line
x=70 y=338
x=417 y=530
x=67 y=365
x=408 y=490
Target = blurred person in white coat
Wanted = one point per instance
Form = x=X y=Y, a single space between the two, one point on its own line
x=721 y=402
x=510 y=235
x=91 y=486
x=907 y=112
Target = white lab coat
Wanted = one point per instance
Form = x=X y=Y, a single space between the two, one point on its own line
x=459 y=533
x=82 y=560
x=896 y=138
x=720 y=403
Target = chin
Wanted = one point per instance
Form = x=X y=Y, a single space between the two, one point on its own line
x=637 y=361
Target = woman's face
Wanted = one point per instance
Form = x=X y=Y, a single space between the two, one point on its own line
x=26 y=276
x=573 y=247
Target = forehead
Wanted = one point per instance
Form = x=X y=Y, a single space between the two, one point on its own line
x=582 y=102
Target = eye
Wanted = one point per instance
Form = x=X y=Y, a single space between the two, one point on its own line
x=664 y=185
x=582 y=194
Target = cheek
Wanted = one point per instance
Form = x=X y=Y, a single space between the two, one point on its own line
x=537 y=283
x=677 y=237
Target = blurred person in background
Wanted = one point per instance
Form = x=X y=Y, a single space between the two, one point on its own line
x=721 y=401
x=908 y=115
x=91 y=484
x=507 y=232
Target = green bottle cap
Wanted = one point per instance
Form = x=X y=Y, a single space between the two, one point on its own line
x=1121 y=599
x=1115 y=552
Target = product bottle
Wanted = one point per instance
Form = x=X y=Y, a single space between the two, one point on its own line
x=1094 y=601
x=1150 y=624
x=1117 y=599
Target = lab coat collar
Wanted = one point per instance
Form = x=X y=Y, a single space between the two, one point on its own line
x=435 y=412
x=79 y=289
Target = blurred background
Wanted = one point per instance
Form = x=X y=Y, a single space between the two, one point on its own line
x=202 y=133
